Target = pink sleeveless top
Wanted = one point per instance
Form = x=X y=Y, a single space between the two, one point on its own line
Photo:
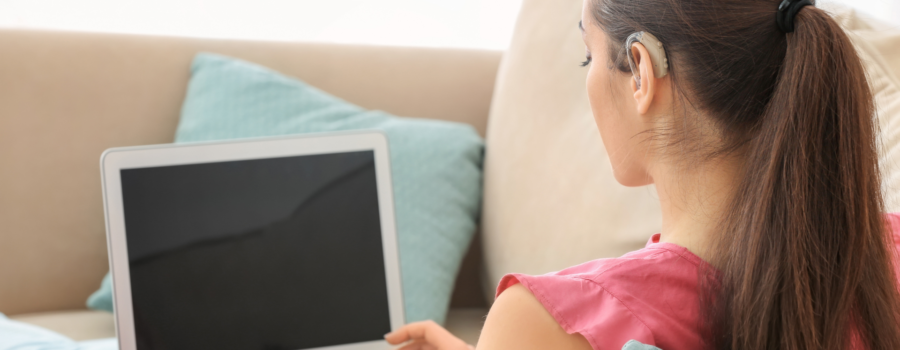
x=649 y=295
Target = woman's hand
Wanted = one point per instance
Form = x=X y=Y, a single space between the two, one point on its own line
x=426 y=335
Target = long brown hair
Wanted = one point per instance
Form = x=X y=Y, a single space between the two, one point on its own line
x=803 y=259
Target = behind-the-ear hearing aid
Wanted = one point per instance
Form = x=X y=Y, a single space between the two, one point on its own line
x=657 y=55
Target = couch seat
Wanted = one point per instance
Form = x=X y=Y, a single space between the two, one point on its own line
x=86 y=324
x=76 y=324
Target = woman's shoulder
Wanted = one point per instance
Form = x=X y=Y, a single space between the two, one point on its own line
x=517 y=320
x=649 y=295
x=652 y=265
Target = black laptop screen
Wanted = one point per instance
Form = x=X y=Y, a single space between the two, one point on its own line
x=280 y=253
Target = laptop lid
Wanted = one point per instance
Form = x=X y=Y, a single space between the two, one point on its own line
x=278 y=243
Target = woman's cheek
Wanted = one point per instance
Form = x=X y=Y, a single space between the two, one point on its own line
x=602 y=106
x=615 y=130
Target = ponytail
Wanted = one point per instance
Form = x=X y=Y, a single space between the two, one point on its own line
x=813 y=269
x=803 y=259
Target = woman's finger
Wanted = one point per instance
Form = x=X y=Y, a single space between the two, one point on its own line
x=398 y=336
x=418 y=345
x=428 y=332
x=415 y=345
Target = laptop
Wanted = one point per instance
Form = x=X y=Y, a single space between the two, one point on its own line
x=275 y=243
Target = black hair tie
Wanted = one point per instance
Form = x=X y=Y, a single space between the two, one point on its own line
x=787 y=11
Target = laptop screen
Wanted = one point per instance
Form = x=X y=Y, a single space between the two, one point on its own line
x=280 y=253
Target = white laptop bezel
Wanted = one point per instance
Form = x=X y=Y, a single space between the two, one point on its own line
x=114 y=160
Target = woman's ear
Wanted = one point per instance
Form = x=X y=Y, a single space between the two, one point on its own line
x=645 y=82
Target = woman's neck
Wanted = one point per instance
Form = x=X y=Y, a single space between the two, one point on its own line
x=693 y=202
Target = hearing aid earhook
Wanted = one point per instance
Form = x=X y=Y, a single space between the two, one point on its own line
x=657 y=55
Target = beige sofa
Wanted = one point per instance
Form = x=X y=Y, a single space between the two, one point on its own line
x=550 y=198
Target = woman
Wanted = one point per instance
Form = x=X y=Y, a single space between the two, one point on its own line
x=756 y=125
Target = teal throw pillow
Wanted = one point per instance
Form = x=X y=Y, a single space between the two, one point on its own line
x=436 y=165
x=102 y=299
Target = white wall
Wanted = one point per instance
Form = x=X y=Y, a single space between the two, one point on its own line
x=486 y=24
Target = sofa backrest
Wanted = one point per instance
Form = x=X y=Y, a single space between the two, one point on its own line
x=66 y=97
x=551 y=200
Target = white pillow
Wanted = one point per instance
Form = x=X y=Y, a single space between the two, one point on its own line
x=22 y=336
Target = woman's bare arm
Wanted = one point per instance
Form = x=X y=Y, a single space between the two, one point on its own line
x=516 y=321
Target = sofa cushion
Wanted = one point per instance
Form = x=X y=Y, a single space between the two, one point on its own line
x=878 y=46
x=436 y=165
x=64 y=326
x=466 y=323
x=886 y=88
x=550 y=198
x=93 y=329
